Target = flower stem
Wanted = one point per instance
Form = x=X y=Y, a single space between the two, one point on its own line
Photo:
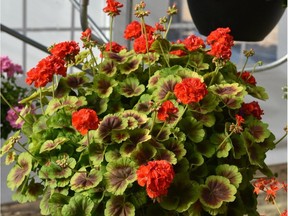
x=7 y=102
x=275 y=204
x=147 y=45
x=160 y=130
x=281 y=138
x=168 y=27
x=222 y=143
x=41 y=104
x=180 y=117
x=53 y=87
x=111 y=25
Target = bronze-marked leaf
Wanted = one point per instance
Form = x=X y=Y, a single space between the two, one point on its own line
x=230 y=172
x=258 y=130
x=96 y=153
x=84 y=180
x=49 y=145
x=223 y=144
x=104 y=85
x=111 y=122
x=9 y=143
x=143 y=153
x=20 y=170
x=108 y=67
x=177 y=147
x=139 y=117
x=119 y=174
x=131 y=87
x=130 y=65
x=78 y=205
x=165 y=86
x=192 y=128
x=144 y=104
x=182 y=193
x=117 y=206
x=119 y=136
x=215 y=191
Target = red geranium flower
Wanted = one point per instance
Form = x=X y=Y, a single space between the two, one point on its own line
x=112 y=8
x=221 y=42
x=140 y=43
x=251 y=108
x=193 y=42
x=247 y=77
x=167 y=112
x=84 y=120
x=190 y=90
x=115 y=47
x=65 y=50
x=134 y=30
x=86 y=35
x=157 y=176
x=44 y=71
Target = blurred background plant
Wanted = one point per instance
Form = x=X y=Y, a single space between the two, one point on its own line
x=13 y=92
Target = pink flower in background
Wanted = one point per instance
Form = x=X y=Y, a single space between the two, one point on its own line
x=12 y=117
x=8 y=67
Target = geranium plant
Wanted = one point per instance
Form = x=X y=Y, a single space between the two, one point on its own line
x=162 y=129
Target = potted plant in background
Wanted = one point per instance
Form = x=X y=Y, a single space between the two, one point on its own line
x=13 y=94
x=248 y=20
x=162 y=129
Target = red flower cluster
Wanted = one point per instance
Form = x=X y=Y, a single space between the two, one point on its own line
x=270 y=186
x=167 y=112
x=193 y=43
x=112 y=8
x=86 y=39
x=53 y=64
x=134 y=30
x=84 y=120
x=221 y=42
x=157 y=176
x=44 y=71
x=65 y=50
x=247 y=77
x=114 y=48
x=190 y=90
x=251 y=108
x=140 y=45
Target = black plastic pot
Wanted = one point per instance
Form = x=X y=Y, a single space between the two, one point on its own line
x=249 y=20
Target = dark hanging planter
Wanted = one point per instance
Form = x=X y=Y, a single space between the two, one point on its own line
x=249 y=20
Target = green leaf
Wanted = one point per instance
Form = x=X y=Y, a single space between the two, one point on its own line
x=52 y=144
x=230 y=172
x=20 y=171
x=9 y=143
x=161 y=46
x=84 y=180
x=182 y=193
x=131 y=64
x=68 y=102
x=119 y=174
x=108 y=67
x=215 y=191
x=59 y=120
x=192 y=128
x=222 y=143
x=143 y=153
x=96 y=153
x=177 y=147
x=117 y=206
x=131 y=87
x=103 y=85
x=258 y=92
x=258 y=130
x=78 y=205
x=56 y=203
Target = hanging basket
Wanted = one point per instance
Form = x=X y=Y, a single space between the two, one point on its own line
x=249 y=20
